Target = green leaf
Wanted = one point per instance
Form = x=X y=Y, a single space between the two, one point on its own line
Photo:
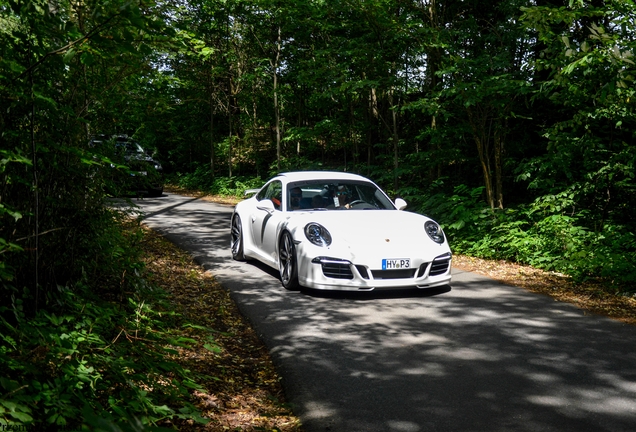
x=183 y=342
x=190 y=384
x=69 y=55
x=22 y=416
x=87 y=58
x=16 y=216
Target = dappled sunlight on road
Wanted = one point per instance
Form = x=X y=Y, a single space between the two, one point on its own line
x=510 y=358
x=481 y=356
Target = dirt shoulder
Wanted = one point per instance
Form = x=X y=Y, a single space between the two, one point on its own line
x=591 y=297
x=241 y=390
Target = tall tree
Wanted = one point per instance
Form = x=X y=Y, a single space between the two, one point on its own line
x=62 y=63
x=589 y=52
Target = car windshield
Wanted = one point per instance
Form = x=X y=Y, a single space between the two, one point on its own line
x=133 y=147
x=336 y=195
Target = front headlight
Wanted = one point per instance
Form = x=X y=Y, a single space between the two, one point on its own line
x=434 y=231
x=317 y=234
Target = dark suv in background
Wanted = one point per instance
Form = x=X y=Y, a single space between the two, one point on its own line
x=134 y=169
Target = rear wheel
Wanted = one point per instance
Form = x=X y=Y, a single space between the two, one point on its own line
x=155 y=191
x=287 y=263
x=236 y=243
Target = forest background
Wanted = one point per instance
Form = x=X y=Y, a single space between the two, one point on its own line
x=510 y=122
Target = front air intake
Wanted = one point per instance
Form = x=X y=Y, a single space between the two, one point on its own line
x=337 y=270
x=334 y=268
x=393 y=274
x=440 y=265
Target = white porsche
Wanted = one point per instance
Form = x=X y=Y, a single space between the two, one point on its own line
x=338 y=231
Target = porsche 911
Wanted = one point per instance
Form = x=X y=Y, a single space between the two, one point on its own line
x=338 y=231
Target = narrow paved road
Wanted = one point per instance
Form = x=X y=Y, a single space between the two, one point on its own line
x=479 y=357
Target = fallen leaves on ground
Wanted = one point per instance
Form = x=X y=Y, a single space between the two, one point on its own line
x=589 y=296
x=241 y=389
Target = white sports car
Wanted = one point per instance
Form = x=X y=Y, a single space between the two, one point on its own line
x=338 y=231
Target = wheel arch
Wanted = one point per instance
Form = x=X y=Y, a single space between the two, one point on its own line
x=283 y=228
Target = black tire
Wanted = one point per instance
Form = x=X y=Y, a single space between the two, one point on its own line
x=236 y=242
x=287 y=263
x=155 y=192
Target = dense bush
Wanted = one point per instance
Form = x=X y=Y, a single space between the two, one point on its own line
x=97 y=351
x=83 y=339
x=549 y=233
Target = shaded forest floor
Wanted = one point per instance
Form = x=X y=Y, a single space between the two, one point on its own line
x=243 y=388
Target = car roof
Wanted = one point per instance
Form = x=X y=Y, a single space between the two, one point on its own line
x=320 y=175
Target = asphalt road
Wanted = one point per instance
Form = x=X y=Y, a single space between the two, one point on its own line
x=480 y=356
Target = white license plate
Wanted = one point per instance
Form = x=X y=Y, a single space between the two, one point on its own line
x=396 y=263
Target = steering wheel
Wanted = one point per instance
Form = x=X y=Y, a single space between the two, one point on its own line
x=352 y=203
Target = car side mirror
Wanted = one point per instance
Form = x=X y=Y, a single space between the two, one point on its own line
x=400 y=203
x=266 y=205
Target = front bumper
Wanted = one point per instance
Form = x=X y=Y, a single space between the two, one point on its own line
x=332 y=273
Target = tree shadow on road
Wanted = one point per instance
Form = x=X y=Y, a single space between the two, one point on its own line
x=481 y=356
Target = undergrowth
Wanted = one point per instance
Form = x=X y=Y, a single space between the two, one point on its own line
x=203 y=180
x=550 y=233
x=98 y=354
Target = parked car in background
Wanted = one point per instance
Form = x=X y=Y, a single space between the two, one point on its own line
x=134 y=170
x=339 y=231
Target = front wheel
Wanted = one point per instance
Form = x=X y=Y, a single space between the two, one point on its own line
x=236 y=243
x=287 y=263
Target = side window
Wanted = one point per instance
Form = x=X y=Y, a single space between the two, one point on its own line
x=275 y=193
x=262 y=194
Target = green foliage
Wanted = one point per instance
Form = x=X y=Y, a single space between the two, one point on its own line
x=7 y=247
x=81 y=336
x=549 y=233
x=462 y=213
x=96 y=349
x=203 y=179
x=296 y=163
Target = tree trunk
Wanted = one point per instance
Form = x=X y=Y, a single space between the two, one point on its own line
x=36 y=198
x=498 y=153
x=481 y=136
x=211 y=135
x=395 y=141
x=276 y=107
x=229 y=151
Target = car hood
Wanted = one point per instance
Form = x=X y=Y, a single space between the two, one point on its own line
x=371 y=227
